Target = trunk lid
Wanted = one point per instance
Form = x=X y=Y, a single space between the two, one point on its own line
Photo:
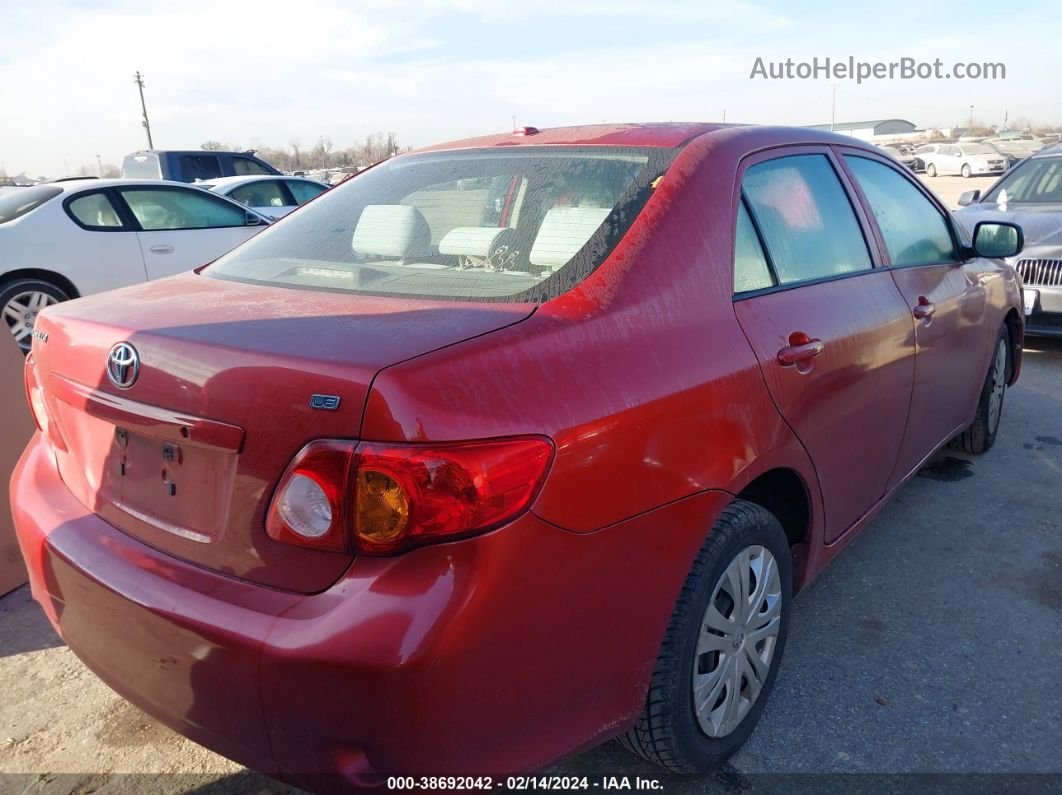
x=186 y=459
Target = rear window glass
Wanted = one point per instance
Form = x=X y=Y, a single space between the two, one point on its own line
x=144 y=166
x=487 y=225
x=25 y=200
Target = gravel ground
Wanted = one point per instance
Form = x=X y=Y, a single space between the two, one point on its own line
x=931 y=645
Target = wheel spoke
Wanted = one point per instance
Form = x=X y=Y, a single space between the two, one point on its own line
x=764 y=580
x=709 y=642
x=752 y=677
x=15 y=310
x=717 y=621
x=708 y=686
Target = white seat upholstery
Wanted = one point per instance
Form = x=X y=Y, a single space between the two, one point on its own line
x=564 y=231
x=391 y=230
x=473 y=241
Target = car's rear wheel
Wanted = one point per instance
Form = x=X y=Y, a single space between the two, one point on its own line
x=966 y=172
x=21 y=300
x=981 y=434
x=722 y=648
x=931 y=170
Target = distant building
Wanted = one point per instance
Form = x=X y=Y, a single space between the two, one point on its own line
x=870 y=130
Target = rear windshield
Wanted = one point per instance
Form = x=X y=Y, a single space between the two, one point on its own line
x=144 y=166
x=480 y=225
x=24 y=200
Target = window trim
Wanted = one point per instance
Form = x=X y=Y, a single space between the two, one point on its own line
x=120 y=209
x=868 y=232
x=958 y=244
x=210 y=196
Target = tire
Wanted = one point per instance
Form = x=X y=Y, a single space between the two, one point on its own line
x=981 y=434
x=966 y=172
x=669 y=731
x=21 y=299
x=931 y=170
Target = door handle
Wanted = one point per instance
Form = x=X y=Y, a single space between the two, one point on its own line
x=801 y=349
x=161 y=249
x=925 y=308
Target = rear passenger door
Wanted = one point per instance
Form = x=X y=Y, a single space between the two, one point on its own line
x=832 y=333
x=947 y=300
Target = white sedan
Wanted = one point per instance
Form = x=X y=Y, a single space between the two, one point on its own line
x=66 y=239
x=269 y=195
x=966 y=159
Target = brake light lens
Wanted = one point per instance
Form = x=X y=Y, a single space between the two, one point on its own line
x=381 y=499
x=35 y=395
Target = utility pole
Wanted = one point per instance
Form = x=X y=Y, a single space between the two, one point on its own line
x=833 y=108
x=970 y=127
x=724 y=115
x=139 y=79
x=99 y=165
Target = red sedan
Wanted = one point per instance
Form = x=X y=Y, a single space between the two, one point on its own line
x=506 y=447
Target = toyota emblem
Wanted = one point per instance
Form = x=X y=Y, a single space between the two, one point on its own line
x=123 y=365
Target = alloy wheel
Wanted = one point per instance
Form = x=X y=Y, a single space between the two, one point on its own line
x=20 y=314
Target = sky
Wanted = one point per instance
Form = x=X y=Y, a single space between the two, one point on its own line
x=267 y=73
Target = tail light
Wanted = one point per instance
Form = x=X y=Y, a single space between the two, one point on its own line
x=35 y=395
x=376 y=498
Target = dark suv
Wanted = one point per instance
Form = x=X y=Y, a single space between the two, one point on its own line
x=192 y=166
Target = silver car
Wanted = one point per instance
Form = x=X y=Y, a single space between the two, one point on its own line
x=965 y=159
x=1029 y=195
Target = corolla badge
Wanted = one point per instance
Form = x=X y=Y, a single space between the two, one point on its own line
x=123 y=365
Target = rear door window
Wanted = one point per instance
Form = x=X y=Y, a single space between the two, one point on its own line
x=807 y=222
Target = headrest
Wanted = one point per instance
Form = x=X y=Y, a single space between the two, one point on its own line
x=564 y=231
x=391 y=230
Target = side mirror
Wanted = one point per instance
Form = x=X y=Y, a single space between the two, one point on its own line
x=969 y=197
x=997 y=240
x=254 y=220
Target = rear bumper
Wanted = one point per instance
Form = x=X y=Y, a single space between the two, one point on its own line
x=493 y=655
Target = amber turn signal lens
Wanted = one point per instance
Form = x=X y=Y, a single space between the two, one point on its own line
x=382 y=507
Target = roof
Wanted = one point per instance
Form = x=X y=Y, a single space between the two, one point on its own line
x=857 y=125
x=669 y=134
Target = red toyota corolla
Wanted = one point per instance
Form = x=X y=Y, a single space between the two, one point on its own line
x=506 y=447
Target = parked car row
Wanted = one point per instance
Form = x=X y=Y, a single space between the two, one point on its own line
x=399 y=462
x=1030 y=195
